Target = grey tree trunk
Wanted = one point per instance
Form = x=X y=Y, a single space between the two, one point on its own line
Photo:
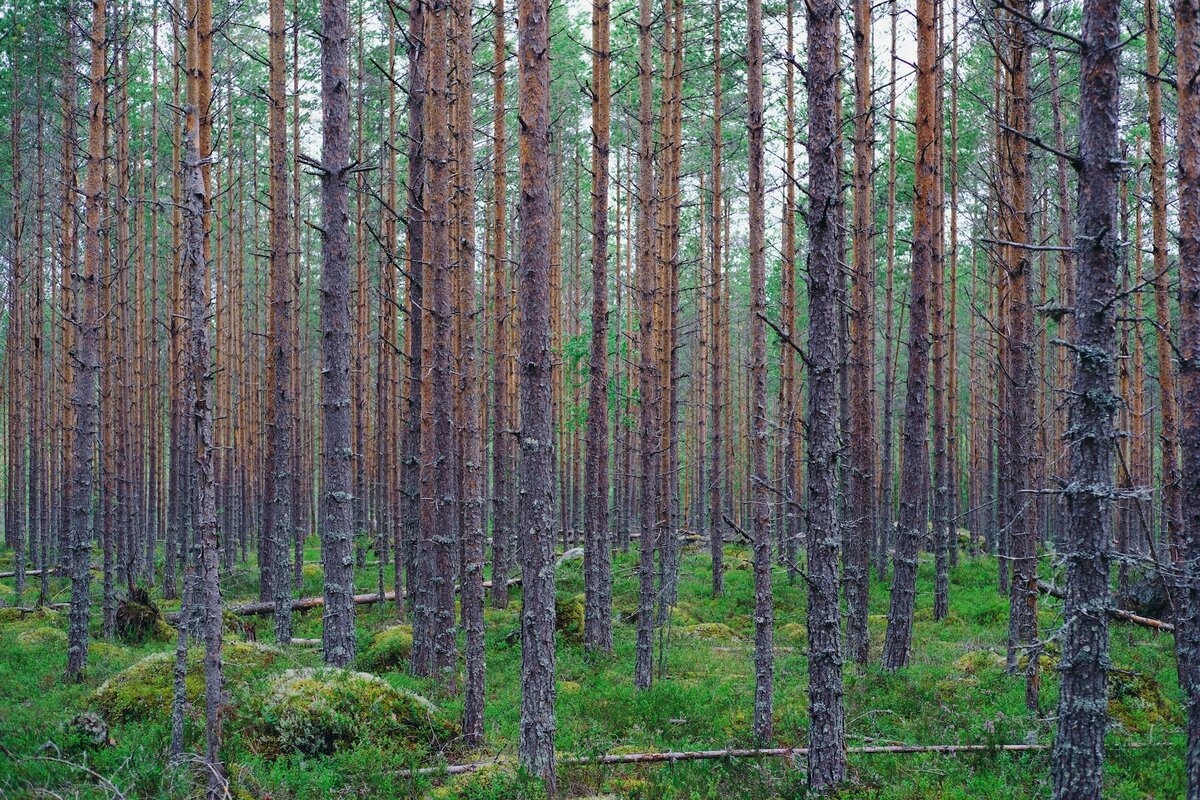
x=337 y=456
x=827 y=728
x=536 y=508
x=1187 y=640
x=1082 y=702
x=86 y=364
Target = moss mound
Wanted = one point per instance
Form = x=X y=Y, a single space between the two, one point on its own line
x=792 y=631
x=139 y=620
x=1138 y=702
x=568 y=617
x=714 y=631
x=494 y=782
x=315 y=711
x=45 y=615
x=145 y=690
x=390 y=649
x=977 y=661
x=43 y=637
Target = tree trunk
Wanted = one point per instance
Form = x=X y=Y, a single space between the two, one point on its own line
x=827 y=757
x=536 y=749
x=86 y=362
x=337 y=456
x=597 y=549
x=914 y=476
x=1082 y=707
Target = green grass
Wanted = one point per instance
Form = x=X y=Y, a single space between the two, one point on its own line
x=955 y=691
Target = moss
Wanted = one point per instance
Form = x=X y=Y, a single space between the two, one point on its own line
x=390 y=649
x=568 y=617
x=569 y=687
x=315 y=711
x=1138 y=702
x=977 y=661
x=715 y=631
x=43 y=637
x=139 y=620
x=499 y=781
x=793 y=631
x=43 y=614
x=877 y=619
x=145 y=690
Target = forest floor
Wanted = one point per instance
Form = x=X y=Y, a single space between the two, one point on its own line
x=956 y=691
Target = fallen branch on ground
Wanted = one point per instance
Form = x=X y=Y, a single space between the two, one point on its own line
x=308 y=603
x=1115 y=613
x=789 y=753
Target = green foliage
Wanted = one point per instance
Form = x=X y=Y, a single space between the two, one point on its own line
x=568 y=617
x=501 y=781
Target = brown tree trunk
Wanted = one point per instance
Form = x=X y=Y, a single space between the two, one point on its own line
x=1082 y=708
x=861 y=502
x=597 y=551
x=716 y=526
x=914 y=476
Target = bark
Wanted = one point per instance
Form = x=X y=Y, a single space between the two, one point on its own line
x=1187 y=48
x=914 y=476
x=764 y=612
x=717 y=391
x=503 y=465
x=279 y=376
x=827 y=757
x=536 y=747
x=337 y=456
x=862 y=345
x=1082 y=706
x=472 y=489
x=648 y=372
x=85 y=360
x=597 y=549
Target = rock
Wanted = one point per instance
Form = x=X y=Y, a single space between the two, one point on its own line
x=390 y=649
x=574 y=554
x=315 y=711
x=1147 y=598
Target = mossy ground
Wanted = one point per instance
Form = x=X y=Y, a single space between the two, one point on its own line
x=955 y=691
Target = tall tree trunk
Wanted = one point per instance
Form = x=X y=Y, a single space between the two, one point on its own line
x=716 y=525
x=862 y=347
x=648 y=372
x=1187 y=643
x=472 y=489
x=914 y=476
x=827 y=753
x=764 y=612
x=536 y=748
x=86 y=361
x=1082 y=708
x=279 y=531
x=597 y=549
x=337 y=456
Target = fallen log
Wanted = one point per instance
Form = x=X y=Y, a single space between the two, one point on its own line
x=789 y=753
x=1115 y=613
x=307 y=603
